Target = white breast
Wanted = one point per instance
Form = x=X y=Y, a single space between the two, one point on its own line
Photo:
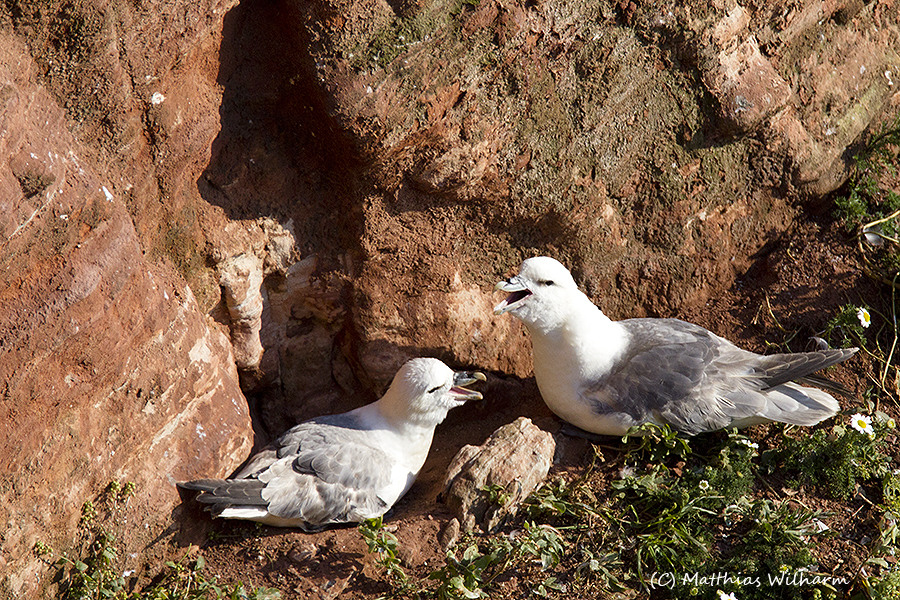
x=401 y=480
x=567 y=359
x=406 y=455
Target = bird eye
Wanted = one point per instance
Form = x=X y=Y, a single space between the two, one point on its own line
x=434 y=389
x=546 y=282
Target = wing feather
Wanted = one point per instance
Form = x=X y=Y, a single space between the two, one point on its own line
x=328 y=472
x=320 y=472
x=681 y=374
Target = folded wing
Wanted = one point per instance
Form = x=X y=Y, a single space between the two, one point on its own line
x=678 y=373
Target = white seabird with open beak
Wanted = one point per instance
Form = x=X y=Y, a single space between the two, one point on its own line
x=606 y=376
x=349 y=467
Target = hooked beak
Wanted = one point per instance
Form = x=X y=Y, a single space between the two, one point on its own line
x=518 y=291
x=463 y=378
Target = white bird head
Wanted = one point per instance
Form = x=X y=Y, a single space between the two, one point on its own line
x=425 y=389
x=541 y=294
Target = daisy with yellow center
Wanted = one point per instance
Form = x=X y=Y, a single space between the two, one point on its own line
x=862 y=424
x=865 y=319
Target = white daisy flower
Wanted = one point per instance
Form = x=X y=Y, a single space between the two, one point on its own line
x=863 y=424
x=704 y=485
x=820 y=527
x=724 y=596
x=750 y=444
x=865 y=319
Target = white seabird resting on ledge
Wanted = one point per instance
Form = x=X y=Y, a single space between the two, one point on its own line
x=344 y=468
x=606 y=376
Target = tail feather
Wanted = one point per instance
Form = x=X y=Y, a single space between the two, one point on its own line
x=825 y=384
x=778 y=369
x=223 y=493
x=798 y=405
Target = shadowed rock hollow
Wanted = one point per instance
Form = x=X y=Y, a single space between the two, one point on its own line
x=210 y=203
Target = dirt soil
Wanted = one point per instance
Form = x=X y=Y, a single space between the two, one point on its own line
x=794 y=286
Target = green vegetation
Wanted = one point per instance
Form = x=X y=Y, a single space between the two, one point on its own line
x=187 y=582
x=699 y=518
x=95 y=569
x=871 y=209
x=847 y=328
x=471 y=573
x=838 y=459
x=700 y=514
x=384 y=545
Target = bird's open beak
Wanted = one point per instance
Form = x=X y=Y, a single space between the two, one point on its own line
x=464 y=378
x=518 y=291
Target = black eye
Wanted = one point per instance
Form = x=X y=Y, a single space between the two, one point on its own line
x=546 y=282
x=434 y=389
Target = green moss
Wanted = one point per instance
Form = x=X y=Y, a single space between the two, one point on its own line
x=835 y=460
x=181 y=248
x=179 y=245
x=549 y=125
x=720 y=168
x=398 y=33
x=58 y=235
x=95 y=213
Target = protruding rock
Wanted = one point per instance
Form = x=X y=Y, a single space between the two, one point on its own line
x=241 y=278
x=486 y=483
x=747 y=86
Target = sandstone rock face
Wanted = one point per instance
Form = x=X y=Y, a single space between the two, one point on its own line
x=745 y=83
x=812 y=97
x=241 y=278
x=485 y=484
x=582 y=130
x=109 y=369
x=301 y=195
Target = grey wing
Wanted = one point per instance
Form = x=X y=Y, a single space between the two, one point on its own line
x=325 y=475
x=677 y=373
x=289 y=443
x=258 y=463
